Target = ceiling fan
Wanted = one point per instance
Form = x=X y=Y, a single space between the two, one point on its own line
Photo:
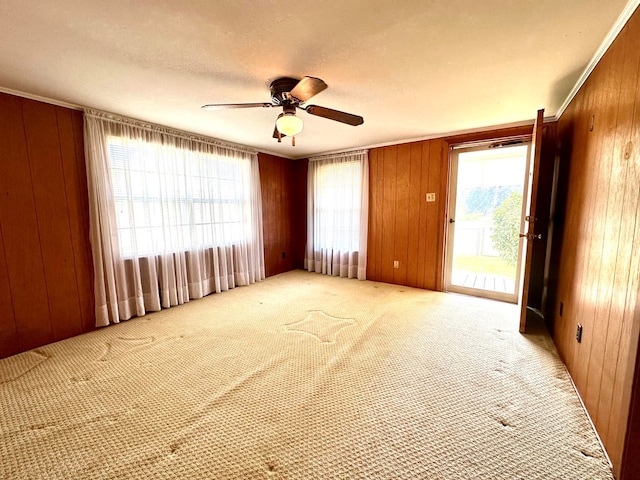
x=291 y=94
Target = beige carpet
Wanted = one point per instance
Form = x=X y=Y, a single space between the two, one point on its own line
x=300 y=376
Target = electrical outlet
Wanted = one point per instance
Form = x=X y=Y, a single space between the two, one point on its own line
x=396 y=264
x=579 y=333
x=431 y=197
x=284 y=255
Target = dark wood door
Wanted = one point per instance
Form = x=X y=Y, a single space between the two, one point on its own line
x=530 y=235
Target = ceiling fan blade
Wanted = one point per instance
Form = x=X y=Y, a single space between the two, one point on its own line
x=307 y=88
x=223 y=106
x=336 y=115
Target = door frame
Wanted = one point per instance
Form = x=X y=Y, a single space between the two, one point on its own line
x=454 y=149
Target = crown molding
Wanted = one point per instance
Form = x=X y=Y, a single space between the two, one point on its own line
x=38 y=98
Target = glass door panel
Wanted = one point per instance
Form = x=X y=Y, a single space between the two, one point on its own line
x=486 y=215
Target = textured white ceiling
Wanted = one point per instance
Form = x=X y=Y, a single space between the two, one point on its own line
x=412 y=69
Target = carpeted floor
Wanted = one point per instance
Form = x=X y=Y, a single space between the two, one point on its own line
x=300 y=376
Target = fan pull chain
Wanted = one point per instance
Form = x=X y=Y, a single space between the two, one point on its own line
x=279 y=137
x=293 y=141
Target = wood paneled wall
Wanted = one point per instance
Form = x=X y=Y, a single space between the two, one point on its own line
x=46 y=283
x=299 y=240
x=403 y=227
x=283 y=183
x=46 y=291
x=599 y=274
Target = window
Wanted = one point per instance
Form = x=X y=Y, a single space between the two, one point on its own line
x=169 y=199
x=173 y=216
x=337 y=215
x=337 y=205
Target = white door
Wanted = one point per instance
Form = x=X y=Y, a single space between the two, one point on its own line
x=486 y=204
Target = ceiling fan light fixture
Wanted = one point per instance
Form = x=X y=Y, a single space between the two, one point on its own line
x=288 y=124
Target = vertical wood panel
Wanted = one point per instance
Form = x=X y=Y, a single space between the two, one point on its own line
x=20 y=231
x=49 y=190
x=442 y=213
x=77 y=124
x=433 y=219
x=630 y=461
x=567 y=296
x=276 y=211
x=264 y=162
x=390 y=155
x=287 y=198
x=76 y=205
x=281 y=245
x=372 y=233
x=414 y=213
x=86 y=290
x=403 y=177
x=283 y=212
x=423 y=214
x=8 y=327
x=623 y=396
x=266 y=176
x=299 y=200
x=576 y=200
x=71 y=148
x=380 y=215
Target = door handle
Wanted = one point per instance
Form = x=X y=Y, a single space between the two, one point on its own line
x=531 y=236
x=451 y=220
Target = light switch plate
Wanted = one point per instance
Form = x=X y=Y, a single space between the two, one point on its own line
x=431 y=197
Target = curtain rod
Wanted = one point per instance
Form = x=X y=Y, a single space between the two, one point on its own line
x=492 y=142
x=338 y=155
x=152 y=127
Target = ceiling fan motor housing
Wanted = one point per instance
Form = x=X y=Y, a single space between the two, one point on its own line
x=280 y=87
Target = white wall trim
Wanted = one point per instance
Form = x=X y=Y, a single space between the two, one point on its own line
x=624 y=17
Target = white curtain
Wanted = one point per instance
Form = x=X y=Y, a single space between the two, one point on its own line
x=337 y=214
x=172 y=216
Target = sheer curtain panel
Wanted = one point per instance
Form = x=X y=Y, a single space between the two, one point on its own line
x=173 y=216
x=337 y=214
